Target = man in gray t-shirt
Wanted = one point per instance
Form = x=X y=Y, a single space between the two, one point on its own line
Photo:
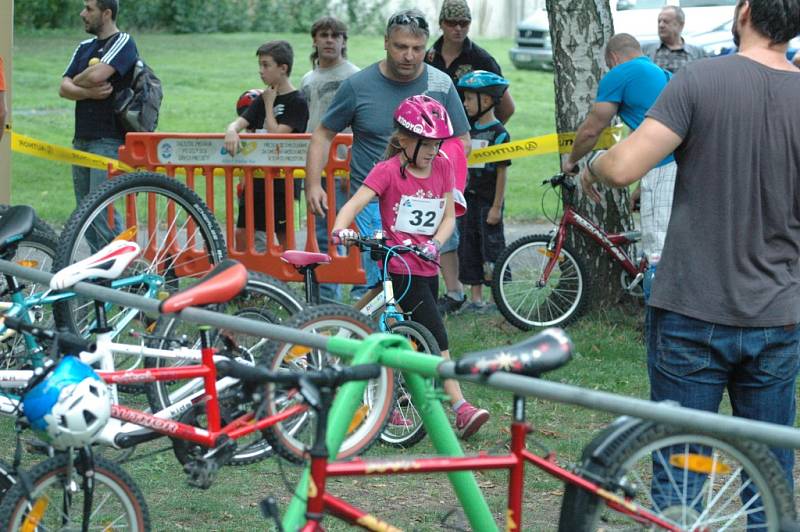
x=725 y=303
x=366 y=102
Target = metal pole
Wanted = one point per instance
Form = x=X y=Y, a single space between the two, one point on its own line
x=6 y=49
x=669 y=414
x=768 y=433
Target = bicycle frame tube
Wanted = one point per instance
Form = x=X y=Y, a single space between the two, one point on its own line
x=379 y=348
x=610 y=243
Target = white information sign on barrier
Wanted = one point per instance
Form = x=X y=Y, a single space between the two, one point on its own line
x=257 y=152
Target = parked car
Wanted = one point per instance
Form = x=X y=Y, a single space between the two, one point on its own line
x=719 y=41
x=638 y=17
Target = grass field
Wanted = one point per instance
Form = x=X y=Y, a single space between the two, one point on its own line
x=203 y=75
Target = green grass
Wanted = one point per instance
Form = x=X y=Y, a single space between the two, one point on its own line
x=202 y=76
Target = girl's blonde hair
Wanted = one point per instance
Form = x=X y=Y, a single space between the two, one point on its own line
x=393 y=147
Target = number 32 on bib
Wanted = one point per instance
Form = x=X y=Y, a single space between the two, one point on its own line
x=419 y=215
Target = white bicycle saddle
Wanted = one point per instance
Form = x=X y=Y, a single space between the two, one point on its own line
x=108 y=263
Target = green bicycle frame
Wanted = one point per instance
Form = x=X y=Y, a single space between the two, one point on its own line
x=396 y=352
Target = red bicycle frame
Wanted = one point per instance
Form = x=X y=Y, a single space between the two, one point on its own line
x=320 y=501
x=216 y=434
x=612 y=243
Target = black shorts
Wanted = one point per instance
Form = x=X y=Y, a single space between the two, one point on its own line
x=259 y=215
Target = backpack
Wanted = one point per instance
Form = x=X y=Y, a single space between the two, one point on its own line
x=137 y=106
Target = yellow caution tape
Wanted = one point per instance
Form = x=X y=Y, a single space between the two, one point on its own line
x=45 y=150
x=552 y=143
x=544 y=144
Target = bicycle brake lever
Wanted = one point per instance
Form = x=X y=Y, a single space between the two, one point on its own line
x=310 y=393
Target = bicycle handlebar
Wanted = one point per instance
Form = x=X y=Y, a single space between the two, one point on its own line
x=67 y=342
x=561 y=179
x=379 y=244
x=328 y=376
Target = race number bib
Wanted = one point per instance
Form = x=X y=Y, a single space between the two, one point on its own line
x=420 y=216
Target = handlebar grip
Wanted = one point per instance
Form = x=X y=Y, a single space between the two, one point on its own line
x=362 y=372
x=73 y=344
x=244 y=372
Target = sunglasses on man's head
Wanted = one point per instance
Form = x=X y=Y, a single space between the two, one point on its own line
x=404 y=19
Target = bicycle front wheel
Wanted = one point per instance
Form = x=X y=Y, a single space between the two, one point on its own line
x=405 y=427
x=56 y=500
x=692 y=481
x=520 y=295
x=179 y=237
x=292 y=438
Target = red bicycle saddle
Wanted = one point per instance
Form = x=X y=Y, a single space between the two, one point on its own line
x=298 y=258
x=222 y=284
x=534 y=356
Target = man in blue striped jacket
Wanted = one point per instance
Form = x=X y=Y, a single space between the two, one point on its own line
x=99 y=68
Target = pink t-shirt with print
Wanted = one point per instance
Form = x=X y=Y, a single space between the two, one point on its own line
x=390 y=186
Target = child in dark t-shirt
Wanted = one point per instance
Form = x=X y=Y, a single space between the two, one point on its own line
x=481 y=228
x=280 y=109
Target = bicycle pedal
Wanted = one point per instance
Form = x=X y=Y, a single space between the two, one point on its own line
x=201 y=473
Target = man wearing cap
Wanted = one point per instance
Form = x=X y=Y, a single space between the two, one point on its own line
x=455 y=54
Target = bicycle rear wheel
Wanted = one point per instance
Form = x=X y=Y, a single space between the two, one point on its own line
x=519 y=296
x=38 y=251
x=292 y=438
x=690 y=480
x=179 y=237
x=56 y=499
x=405 y=427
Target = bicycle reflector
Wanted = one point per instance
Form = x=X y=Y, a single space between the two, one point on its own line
x=699 y=463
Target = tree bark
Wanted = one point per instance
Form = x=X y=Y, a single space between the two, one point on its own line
x=579 y=30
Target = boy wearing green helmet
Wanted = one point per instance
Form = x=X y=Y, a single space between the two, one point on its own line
x=481 y=228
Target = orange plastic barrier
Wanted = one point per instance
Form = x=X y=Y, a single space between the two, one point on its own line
x=201 y=162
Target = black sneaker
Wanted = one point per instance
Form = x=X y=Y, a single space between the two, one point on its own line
x=449 y=305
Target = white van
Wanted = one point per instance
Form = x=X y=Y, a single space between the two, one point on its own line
x=638 y=17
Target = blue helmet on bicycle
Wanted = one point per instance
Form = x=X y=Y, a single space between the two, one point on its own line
x=70 y=406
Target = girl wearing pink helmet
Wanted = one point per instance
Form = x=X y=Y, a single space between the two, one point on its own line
x=414 y=187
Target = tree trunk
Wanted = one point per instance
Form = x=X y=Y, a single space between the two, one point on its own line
x=580 y=30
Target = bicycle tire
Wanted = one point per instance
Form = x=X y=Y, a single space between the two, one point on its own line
x=405 y=436
x=7 y=479
x=515 y=285
x=120 y=498
x=630 y=462
x=36 y=250
x=181 y=241
x=264 y=299
x=292 y=438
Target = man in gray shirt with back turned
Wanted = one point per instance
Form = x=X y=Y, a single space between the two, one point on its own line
x=725 y=303
x=366 y=101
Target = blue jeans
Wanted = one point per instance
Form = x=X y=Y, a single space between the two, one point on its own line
x=368 y=221
x=87 y=180
x=693 y=362
x=330 y=291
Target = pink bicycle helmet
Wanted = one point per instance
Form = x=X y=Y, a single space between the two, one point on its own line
x=424 y=117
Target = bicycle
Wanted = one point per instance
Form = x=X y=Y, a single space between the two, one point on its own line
x=539 y=280
x=710 y=472
x=605 y=474
x=404 y=427
x=73 y=488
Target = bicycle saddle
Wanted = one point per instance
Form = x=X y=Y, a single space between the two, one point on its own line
x=222 y=284
x=108 y=263
x=298 y=258
x=534 y=356
x=16 y=224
